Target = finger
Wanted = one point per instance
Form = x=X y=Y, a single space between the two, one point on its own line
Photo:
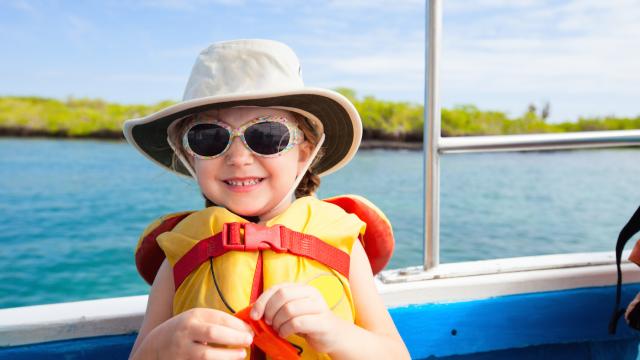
x=632 y=313
x=303 y=325
x=209 y=352
x=284 y=295
x=220 y=335
x=212 y=316
x=258 y=307
x=630 y=307
x=294 y=308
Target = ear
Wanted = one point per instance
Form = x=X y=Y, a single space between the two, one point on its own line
x=304 y=152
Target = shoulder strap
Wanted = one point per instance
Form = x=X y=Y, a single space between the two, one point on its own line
x=630 y=229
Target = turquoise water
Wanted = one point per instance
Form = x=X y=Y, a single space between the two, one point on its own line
x=72 y=209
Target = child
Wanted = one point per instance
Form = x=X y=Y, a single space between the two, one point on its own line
x=251 y=134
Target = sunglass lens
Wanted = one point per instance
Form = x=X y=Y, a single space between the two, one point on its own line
x=267 y=138
x=208 y=139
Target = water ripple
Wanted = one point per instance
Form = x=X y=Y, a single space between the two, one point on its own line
x=73 y=209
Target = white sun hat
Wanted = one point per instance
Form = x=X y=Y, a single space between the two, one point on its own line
x=252 y=73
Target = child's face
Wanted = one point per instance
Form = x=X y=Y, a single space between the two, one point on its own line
x=245 y=183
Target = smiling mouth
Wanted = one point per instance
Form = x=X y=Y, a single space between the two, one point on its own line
x=243 y=182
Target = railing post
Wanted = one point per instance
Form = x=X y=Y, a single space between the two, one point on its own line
x=431 y=209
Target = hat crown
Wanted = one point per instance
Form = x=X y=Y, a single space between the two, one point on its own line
x=244 y=66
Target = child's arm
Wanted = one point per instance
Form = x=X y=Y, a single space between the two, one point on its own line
x=294 y=308
x=186 y=335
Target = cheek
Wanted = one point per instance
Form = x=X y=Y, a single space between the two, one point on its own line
x=284 y=168
x=200 y=169
x=293 y=164
x=205 y=169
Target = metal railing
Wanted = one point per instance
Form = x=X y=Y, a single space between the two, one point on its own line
x=435 y=145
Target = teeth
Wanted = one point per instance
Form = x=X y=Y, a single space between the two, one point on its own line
x=243 y=183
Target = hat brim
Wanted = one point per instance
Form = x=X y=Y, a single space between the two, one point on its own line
x=340 y=119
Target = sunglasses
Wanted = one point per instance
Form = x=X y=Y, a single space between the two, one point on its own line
x=265 y=136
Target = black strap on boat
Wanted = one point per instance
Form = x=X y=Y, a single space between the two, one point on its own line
x=630 y=229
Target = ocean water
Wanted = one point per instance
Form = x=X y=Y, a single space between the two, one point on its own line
x=72 y=210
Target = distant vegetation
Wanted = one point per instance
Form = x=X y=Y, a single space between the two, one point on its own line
x=385 y=120
x=70 y=117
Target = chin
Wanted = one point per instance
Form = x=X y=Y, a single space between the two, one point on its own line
x=246 y=210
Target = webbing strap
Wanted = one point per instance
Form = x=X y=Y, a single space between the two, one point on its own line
x=256 y=290
x=210 y=247
x=630 y=229
x=257 y=237
x=313 y=248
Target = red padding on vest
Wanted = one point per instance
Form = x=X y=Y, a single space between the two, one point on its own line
x=149 y=255
x=289 y=241
x=378 y=239
x=635 y=254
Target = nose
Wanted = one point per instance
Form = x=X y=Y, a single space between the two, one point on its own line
x=238 y=154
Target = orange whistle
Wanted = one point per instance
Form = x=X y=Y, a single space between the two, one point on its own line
x=267 y=339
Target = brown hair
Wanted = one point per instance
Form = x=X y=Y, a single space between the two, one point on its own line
x=310 y=181
x=307 y=186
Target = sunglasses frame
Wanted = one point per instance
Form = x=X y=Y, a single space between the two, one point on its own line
x=296 y=136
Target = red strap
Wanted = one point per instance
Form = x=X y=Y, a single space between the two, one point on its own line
x=257 y=237
x=201 y=252
x=256 y=289
x=258 y=284
x=311 y=247
x=149 y=255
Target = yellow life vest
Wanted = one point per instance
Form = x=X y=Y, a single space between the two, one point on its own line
x=231 y=277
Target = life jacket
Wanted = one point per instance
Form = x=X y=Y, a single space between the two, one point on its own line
x=221 y=261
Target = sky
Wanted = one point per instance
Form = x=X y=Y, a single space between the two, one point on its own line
x=580 y=56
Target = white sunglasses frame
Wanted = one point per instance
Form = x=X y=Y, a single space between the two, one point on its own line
x=296 y=135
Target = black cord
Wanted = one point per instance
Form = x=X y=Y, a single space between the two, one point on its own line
x=215 y=282
x=630 y=229
x=298 y=347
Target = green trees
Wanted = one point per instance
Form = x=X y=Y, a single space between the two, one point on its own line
x=404 y=121
x=387 y=120
x=71 y=117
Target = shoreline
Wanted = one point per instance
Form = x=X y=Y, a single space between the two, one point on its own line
x=108 y=135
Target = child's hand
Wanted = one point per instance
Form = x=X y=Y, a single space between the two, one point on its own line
x=202 y=334
x=299 y=309
x=631 y=315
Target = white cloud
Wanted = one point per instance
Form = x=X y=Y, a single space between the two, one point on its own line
x=388 y=5
x=24 y=6
x=582 y=53
x=79 y=24
x=189 y=5
x=374 y=62
x=78 y=28
x=459 y=6
x=144 y=78
x=503 y=52
x=376 y=65
x=187 y=52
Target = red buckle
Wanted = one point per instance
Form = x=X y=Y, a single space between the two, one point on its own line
x=256 y=237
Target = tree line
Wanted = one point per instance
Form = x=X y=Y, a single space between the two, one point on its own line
x=384 y=120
